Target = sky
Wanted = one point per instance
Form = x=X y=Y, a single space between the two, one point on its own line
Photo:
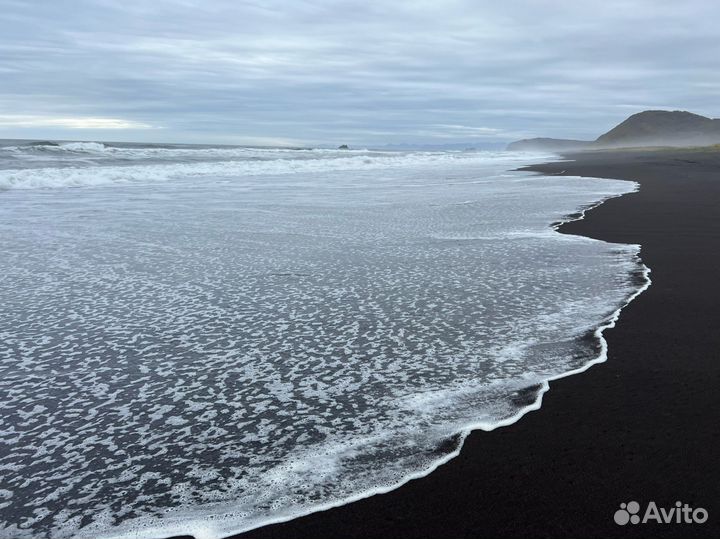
x=321 y=72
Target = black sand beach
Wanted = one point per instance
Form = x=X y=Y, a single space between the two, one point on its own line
x=643 y=426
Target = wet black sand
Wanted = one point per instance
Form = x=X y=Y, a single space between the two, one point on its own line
x=643 y=426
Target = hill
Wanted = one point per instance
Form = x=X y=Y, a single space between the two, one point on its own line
x=648 y=128
x=662 y=128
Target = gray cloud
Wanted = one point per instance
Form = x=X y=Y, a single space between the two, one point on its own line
x=337 y=71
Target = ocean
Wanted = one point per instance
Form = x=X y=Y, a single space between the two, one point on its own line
x=203 y=340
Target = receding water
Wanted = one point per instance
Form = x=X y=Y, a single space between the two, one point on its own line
x=206 y=340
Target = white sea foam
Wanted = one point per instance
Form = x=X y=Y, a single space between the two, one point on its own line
x=80 y=147
x=181 y=355
x=218 y=163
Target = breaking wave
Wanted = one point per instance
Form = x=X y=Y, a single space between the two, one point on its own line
x=205 y=164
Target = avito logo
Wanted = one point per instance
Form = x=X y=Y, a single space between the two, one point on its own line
x=680 y=514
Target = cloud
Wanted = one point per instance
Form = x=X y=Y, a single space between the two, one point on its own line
x=11 y=120
x=358 y=72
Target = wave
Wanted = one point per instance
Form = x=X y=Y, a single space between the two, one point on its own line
x=281 y=163
x=51 y=146
x=140 y=151
x=394 y=364
x=474 y=375
x=81 y=146
x=322 y=463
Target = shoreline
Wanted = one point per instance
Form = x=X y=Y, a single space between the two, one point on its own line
x=408 y=510
x=640 y=278
x=641 y=281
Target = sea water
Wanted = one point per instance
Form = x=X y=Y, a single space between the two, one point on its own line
x=202 y=340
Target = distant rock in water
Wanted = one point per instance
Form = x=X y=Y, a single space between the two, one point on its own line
x=547 y=144
x=662 y=128
x=648 y=128
x=343 y=147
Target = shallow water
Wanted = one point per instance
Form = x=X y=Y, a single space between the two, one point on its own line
x=207 y=340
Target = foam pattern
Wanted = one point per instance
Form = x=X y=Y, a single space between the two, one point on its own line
x=216 y=352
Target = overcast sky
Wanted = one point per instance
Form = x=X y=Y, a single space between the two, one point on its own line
x=364 y=72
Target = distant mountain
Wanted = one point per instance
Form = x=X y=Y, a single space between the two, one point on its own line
x=648 y=128
x=547 y=144
x=662 y=128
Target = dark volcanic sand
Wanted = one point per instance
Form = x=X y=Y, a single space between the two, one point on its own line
x=643 y=426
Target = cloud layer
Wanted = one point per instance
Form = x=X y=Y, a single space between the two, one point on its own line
x=309 y=72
